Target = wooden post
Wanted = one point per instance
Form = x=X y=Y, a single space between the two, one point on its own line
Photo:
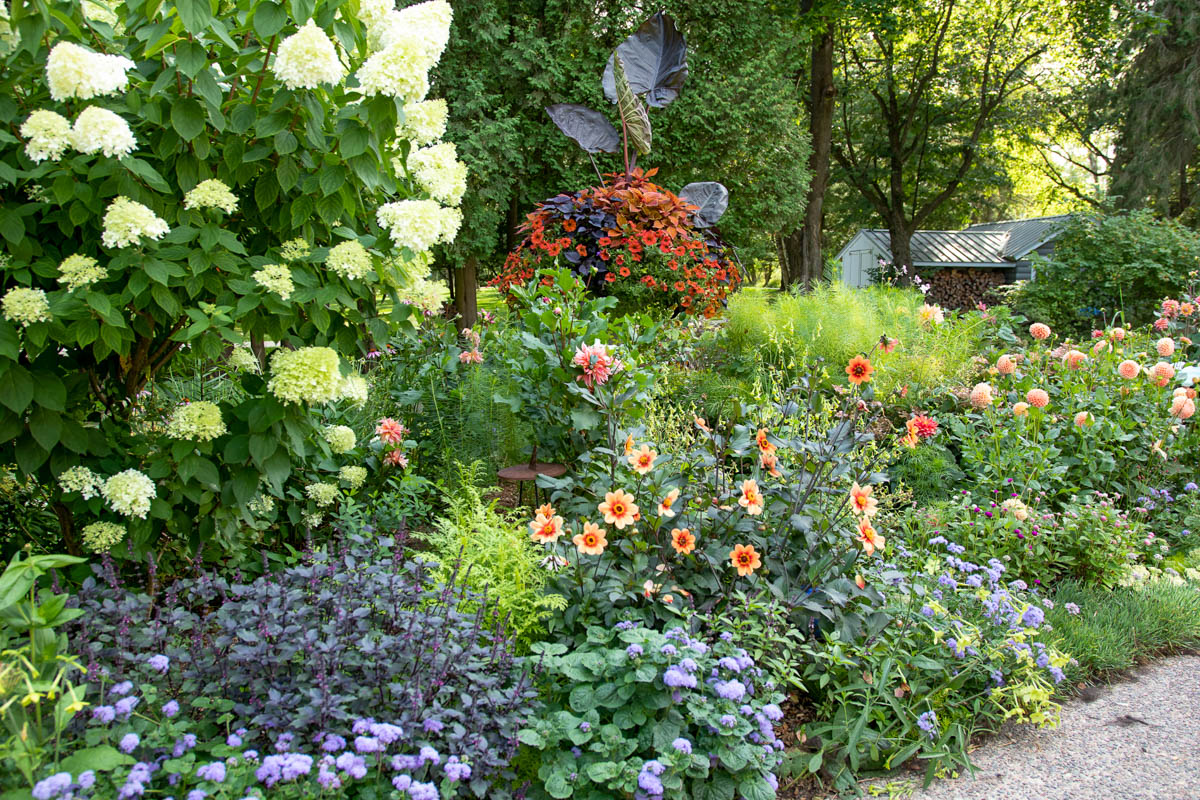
x=465 y=288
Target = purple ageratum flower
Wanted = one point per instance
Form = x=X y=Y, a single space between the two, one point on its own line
x=233 y=740
x=731 y=690
x=284 y=743
x=428 y=754
x=682 y=745
x=957 y=549
x=402 y=782
x=1043 y=661
x=368 y=744
x=1033 y=617
x=422 y=791
x=250 y=755
x=332 y=743
x=669 y=650
x=928 y=723
x=212 y=772
x=746 y=710
x=1056 y=675
x=938 y=540
x=634 y=650
x=170 y=708
x=120 y=689
x=283 y=768
x=730 y=663
x=676 y=678
x=654 y=767
x=53 y=786
x=585 y=726
x=327 y=776
x=387 y=733
x=104 y=714
x=159 y=663
x=362 y=726
x=698 y=646
x=197 y=794
x=125 y=706
x=688 y=665
x=456 y=771
x=354 y=766
x=773 y=712
x=87 y=779
x=1071 y=608
x=927 y=611
x=728 y=720
x=129 y=743
x=432 y=725
x=726 y=636
x=625 y=626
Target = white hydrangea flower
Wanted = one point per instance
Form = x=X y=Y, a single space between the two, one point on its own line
x=353 y=475
x=98 y=11
x=47 y=135
x=399 y=71
x=199 y=421
x=81 y=480
x=126 y=222
x=261 y=505
x=423 y=294
x=79 y=270
x=439 y=172
x=211 y=193
x=309 y=374
x=424 y=122
x=100 y=537
x=314 y=520
x=25 y=306
x=341 y=438
x=355 y=389
x=129 y=493
x=74 y=73
x=426 y=25
x=372 y=12
x=242 y=359
x=294 y=250
x=275 y=278
x=308 y=58
x=323 y=494
x=99 y=130
x=419 y=224
x=350 y=260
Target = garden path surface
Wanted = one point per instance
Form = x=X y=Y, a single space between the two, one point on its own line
x=1133 y=740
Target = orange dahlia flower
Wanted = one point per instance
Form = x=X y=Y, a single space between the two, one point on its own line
x=764 y=446
x=870 y=538
x=592 y=541
x=745 y=559
x=1128 y=369
x=859 y=369
x=664 y=508
x=1005 y=365
x=770 y=462
x=751 y=499
x=1038 y=398
x=1039 y=330
x=683 y=541
x=642 y=459
x=861 y=501
x=618 y=509
x=546 y=529
x=1165 y=347
x=1020 y=409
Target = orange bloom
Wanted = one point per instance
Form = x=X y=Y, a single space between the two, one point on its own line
x=618 y=509
x=569 y=225
x=745 y=559
x=1129 y=369
x=642 y=459
x=1039 y=330
x=1005 y=365
x=751 y=499
x=390 y=431
x=870 y=538
x=1165 y=347
x=1163 y=373
x=861 y=501
x=770 y=462
x=859 y=369
x=592 y=541
x=544 y=510
x=664 y=508
x=1020 y=409
x=546 y=529
x=1037 y=398
x=629 y=444
x=764 y=446
x=701 y=424
x=1074 y=359
x=683 y=541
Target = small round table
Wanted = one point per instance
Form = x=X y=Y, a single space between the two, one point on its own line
x=521 y=473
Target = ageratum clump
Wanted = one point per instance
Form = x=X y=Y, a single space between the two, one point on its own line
x=355 y=630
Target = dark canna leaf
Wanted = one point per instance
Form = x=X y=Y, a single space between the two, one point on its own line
x=655 y=58
x=587 y=127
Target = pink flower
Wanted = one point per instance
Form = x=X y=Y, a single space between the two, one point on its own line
x=1083 y=418
x=1039 y=330
x=1165 y=346
x=396 y=458
x=1074 y=359
x=470 y=357
x=1118 y=334
x=1005 y=365
x=1038 y=398
x=597 y=363
x=1161 y=324
x=981 y=395
x=1128 y=369
x=389 y=431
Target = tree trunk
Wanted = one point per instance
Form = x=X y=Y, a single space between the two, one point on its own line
x=465 y=301
x=901 y=240
x=822 y=94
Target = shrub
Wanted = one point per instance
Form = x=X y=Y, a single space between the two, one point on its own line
x=927 y=471
x=632 y=711
x=352 y=631
x=204 y=198
x=968 y=651
x=1105 y=265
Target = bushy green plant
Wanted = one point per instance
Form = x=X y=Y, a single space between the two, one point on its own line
x=634 y=711
x=177 y=178
x=492 y=553
x=927 y=471
x=1105 y=265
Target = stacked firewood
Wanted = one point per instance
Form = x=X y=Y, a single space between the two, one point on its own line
x=963 y=287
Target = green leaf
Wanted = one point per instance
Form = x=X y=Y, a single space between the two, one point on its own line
x=531 y=737
x=354 y=141
x=287 y=173
x=603 y=771
x=196 y=15
x=190 y=57
x=266 y=191
x=269 y=19
x=46 y=427
x=633 y=112
x=99 y=759
x=9 y=343
x=16 y=389
x=187 y=118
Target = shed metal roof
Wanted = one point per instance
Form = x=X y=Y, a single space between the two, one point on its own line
x=1025 y=235
x=987 y=244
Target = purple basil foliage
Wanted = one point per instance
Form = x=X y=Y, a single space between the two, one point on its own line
x=355 y=630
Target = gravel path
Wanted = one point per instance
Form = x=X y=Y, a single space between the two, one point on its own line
x=1134 y=740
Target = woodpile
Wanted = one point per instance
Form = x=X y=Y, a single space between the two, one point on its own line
x=964 y=287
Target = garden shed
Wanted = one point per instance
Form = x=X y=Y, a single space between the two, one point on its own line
x=960 y=265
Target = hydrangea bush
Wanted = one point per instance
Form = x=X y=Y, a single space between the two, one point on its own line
x=180 y=179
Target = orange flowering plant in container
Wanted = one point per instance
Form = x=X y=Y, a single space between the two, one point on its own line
x=639 y=532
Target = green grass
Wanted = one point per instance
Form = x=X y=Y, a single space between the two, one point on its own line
x=1118 y=629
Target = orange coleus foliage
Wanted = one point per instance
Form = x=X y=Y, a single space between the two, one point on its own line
x=628 y=236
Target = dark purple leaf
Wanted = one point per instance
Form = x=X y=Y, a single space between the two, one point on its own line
x=655 y=60
x=712 y=199
x=589 y=129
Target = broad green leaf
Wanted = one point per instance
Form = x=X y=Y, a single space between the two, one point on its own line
x=633 y=112
x=187 y=118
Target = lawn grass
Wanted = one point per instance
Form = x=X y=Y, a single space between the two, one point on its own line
x=1117 y=629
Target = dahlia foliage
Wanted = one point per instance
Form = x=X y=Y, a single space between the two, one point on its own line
x=182 y=181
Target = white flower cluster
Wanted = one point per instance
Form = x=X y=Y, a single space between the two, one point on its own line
x=350 y=260
x=323 y=494
x=308 y=58
x=100 y=537
x=309 y=374
x=199 y=421
x=81 y=480
x=294 y=250
x=423 y=294
x=355 y=476
x=211 y=193
x=74 y=73
x=424 y=122
x=25 y=306
x=355 y=389
x=275 y=278
x=47 y=135
x=372 y=12
x=80 y=270
x=98 y=11
x=419 y=224
x=126 y=222
x=129 y=493
x=439 y=172
x=341 y=438
x=242 y=359
x=261 y=505
x=98 y=130
x=406 y=45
